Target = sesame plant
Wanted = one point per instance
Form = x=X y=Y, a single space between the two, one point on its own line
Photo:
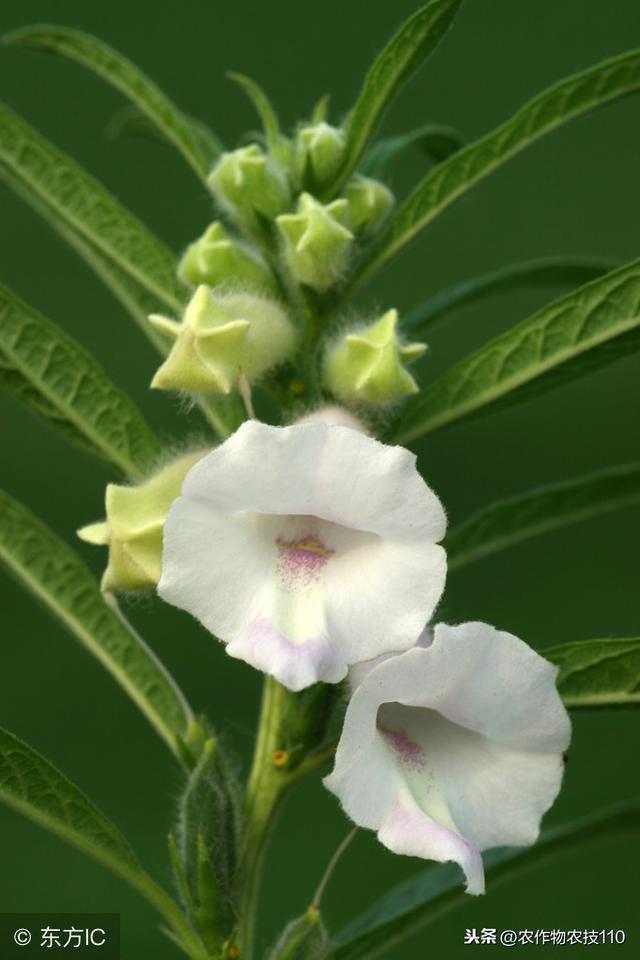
x=297 y=529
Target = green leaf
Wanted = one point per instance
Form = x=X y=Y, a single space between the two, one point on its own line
x=507 y=522
x=321 y=109
x=136 y=300
x=544 y=272
x=264 y=109
x=36 y=789
x=435 y=140
x=436 y=891
x=598 y=673
x=571 y=97
x=402 y=56
x=131 y=121
x=64 y=385
x=122 y=74
x=85 y=206
x=52 y=571
x=33 y=787
x=594 y=325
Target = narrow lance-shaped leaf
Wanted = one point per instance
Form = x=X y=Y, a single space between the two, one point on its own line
x=599 y=85
x=62 y=383
x=598 y=323
x=135 y=298
x=122 y=74
x=52 y=571
x=544 y=272
x=264 y=109
x=418 y=902
x=510 y=521
x=87 y=207
x=36 y=789
x=130 y=120
x=435 y=140
x=402 y=56
x=598 y=673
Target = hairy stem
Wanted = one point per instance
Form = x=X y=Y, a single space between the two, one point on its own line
x=267 y=784
x=290 y=746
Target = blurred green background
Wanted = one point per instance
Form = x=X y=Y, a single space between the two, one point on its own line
x=574 y=193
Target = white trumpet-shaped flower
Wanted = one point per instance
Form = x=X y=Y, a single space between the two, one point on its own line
x=453 y=747
x=305 y=548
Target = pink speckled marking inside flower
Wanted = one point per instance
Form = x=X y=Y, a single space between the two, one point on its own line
x=303 y=558
x=409 y=752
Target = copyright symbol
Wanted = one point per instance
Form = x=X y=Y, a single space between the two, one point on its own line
x=508 y=938
x=22 y=937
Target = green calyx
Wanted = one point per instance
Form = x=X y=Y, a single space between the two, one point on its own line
x=221 y=336
x=247 y=182
x=319 y=153
x=317 y=244
x=369 y=203
x=134 y=524
x=215 y=258
x=366 y=366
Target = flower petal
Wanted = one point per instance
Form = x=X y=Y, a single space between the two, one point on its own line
x=305 y=549
x=453 y=747
x=378 y=599
x=408 y=831
x=315 y=469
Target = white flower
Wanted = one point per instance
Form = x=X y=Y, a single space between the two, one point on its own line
x=453 y=747
x=305 y=548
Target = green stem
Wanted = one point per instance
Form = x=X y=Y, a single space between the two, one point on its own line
x=265 y=789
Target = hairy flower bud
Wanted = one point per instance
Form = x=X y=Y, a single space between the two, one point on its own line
x=247 y=182
x=320 y=150
x=305 y=938
x=216 y=258
x=366 y=365
x=134 y=524
x=317 y=244
x=221 y=336
x=369 y=202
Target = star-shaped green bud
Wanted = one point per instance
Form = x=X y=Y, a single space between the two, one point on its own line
x=216 y=258
x=316 y=243
x=319 y=152
x=369 y=202
x=247 y=181
x=134 y=524
x=365 y=366
x=222 y=335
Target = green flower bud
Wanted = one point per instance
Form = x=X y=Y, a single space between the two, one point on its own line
x=246 y=182
x=207 y=841
x=305 y=938
x=217 y=258
x=317 y=244
x=134 y=524
x=366 y=365
x=221 y=336
x=320 y=151
x=369 y=203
